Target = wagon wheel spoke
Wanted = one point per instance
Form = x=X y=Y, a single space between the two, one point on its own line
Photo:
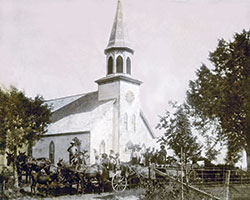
x=120 y=187
x=119 y=183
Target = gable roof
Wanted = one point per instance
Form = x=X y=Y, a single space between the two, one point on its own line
x=79 y=113
x=58 y=103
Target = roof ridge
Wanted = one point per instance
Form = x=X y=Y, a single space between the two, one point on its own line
x=147 y=124
x=58 y=98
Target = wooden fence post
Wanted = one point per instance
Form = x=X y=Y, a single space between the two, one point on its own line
x=227 y=181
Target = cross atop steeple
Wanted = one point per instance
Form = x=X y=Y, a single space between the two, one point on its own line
x=118 y=38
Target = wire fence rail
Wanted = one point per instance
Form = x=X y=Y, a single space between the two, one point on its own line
x=207 y=175
x=209 y=196
x=218 y=176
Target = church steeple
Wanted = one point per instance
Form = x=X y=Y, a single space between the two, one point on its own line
x=118 y=64
x=118 y=37
x=118 y=51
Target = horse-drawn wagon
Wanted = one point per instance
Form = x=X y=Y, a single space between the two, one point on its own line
x=104 y=175
x=131 y=175
x=87 y=178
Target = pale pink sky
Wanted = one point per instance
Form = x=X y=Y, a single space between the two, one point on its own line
x=55 y=47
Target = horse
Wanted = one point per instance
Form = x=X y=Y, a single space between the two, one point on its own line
x=68 y=174
x=94 y=178
x=10 y=158
x=37 y=164
x=42 y=179
x=21 y=164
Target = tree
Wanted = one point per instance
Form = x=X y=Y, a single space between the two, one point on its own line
x=222 y=94
x=22 y=120
x=211 y=152
x=3 y=100
x=178 y=135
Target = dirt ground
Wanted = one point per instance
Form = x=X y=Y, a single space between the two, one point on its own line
x=236 y=193
x=132 y=194
x=82 y=197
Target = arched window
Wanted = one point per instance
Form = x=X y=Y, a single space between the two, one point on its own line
x=52 y=152
x=128 y=66
x=119 y=65
x=110 y=65
x=102 y=147
x=126 y=121
x=134 y=122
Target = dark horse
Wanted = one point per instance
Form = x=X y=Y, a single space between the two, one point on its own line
x=37 y=164
x=68 y=175
x=90 y=177
x=10 y=158
x=39 y=169
x=42 y=179
x=21 y=164
x=27 y=164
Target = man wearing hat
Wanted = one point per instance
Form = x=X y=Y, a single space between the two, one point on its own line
x=117 y=161
x=147 y=156
x=105 y=160
x=134 y=155
x=112 y=160
x=162 y=155
x=72 y=151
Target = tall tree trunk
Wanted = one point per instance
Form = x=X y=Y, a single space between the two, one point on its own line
x=15 y=168
x=248 y=157
x=247 y=149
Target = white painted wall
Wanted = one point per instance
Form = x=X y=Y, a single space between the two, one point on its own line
x=141 y=135
x=41 y=149
x=108 y=91
x=103 y=131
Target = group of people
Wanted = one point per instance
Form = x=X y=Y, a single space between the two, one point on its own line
x=139 y=155
x=147 y=156
x=143 y=157
x=110 y=162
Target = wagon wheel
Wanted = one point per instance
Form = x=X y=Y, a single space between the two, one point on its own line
x=119 y=182
x=193 y=176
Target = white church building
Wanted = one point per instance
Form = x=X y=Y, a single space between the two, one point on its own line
x=107 y=119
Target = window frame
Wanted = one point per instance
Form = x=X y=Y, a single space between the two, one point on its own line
x=52 y=152
x=119 y=64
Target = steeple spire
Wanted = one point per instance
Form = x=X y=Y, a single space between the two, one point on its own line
x=118 y=63
x=118 y=37
x=118 y=52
